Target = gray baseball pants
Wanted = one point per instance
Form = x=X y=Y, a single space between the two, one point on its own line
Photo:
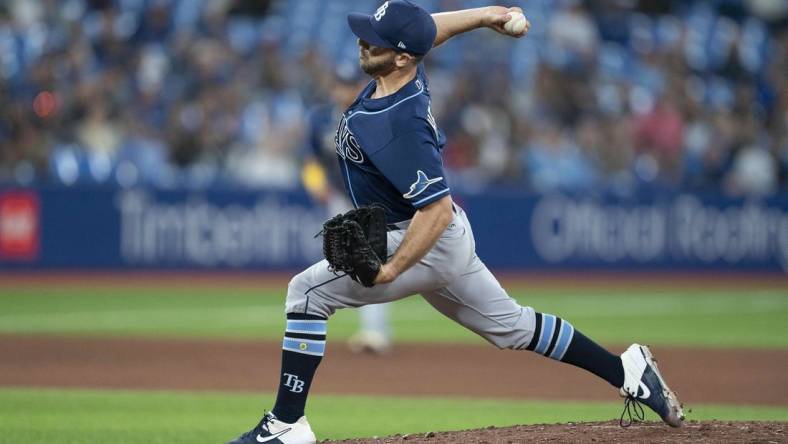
x=451 y=278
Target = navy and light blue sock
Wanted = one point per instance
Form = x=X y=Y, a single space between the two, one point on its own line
x=302 y=350
x=557 y=339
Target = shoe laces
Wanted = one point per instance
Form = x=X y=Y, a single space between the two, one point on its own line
x=633 y=409
x=262 y=426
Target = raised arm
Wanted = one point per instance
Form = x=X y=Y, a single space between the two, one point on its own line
x=456 y=22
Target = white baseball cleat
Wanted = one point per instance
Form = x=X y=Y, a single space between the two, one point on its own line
x=643 y=383
x=273 y=431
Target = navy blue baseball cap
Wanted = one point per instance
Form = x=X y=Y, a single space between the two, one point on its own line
x=397 y=24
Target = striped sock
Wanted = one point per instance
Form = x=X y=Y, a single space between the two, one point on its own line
x=552 y=336
x=302 y=351
x=557 y=339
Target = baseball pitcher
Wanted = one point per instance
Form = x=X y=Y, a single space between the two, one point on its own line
x=407 y=237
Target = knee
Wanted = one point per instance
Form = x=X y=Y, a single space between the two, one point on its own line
x=302 y=299
x=501 y=342
x=515 y=335
x=511 y=341
x=298 y=295
x=297 y=285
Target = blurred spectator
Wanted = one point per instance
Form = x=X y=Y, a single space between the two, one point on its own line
x=754 y=172
x=609 y=94
x=573 y=36
x=555 y=161
x=659 y=133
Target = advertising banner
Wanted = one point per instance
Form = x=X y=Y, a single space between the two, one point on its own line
x=72 y=228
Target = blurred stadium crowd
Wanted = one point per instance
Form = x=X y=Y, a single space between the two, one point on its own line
x=610 y=95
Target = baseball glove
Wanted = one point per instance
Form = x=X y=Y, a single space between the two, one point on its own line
x=355 y=243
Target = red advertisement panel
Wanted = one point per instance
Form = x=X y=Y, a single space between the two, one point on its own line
x=19 y=226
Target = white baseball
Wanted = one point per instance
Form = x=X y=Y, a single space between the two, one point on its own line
x=516 y=24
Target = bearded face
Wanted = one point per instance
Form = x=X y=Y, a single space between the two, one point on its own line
x=374 y=60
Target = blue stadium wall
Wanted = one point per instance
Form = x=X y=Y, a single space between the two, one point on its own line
x=89 y=228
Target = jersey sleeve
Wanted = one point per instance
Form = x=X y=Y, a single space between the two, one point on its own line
x=413 y=164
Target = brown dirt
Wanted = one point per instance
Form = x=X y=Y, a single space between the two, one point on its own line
x=699 y=375
x=731 y=376
x=602 y=432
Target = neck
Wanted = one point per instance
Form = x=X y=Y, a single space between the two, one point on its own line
x=390 y=83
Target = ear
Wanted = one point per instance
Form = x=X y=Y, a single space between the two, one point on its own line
x=402 y=59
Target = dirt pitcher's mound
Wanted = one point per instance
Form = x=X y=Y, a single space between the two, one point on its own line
x=602 y=432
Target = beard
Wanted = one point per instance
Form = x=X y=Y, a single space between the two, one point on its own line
x=379 y=67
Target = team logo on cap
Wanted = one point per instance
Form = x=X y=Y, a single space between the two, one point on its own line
x=381 y=11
